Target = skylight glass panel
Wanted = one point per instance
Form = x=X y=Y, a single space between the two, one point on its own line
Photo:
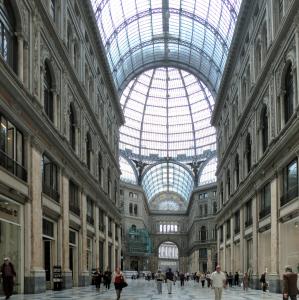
x=141 y=30
x=208 y=173
x=127 y=172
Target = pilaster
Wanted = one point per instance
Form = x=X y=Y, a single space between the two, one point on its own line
x=113 y=258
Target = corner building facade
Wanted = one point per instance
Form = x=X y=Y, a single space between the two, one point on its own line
x=59 y=169
x=256 y=115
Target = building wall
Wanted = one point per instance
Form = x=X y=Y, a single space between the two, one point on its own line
x=251 y=103
x=65 y=46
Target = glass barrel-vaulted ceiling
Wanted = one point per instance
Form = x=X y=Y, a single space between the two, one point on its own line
x=168 y=113
x=167 y=177
x=191 y=34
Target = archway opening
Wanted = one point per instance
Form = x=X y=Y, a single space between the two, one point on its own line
x=168 y=257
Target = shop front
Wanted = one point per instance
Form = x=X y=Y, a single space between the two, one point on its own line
x=11 y=238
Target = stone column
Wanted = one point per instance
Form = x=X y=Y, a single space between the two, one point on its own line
x=242 y=242
x=106 y=243
x=40 y=86
x=113 y=258
x=26 y=76
x=36 y=281
x=282 y=112
x=118 y=260
x=224 y=263
x=255 y=276
x=84 y=274
x=20 y=40
x=232 y=246
x=274 y=281
x=209 y=264
x=97 y=238
x=66 y=272
x=55 y=106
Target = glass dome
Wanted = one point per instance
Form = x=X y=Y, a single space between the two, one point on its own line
x=167 y=113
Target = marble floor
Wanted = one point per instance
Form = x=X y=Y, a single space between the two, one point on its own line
x=144 y=290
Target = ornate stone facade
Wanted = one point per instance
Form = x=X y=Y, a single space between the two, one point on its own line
x=258 y=156
x=68 y=193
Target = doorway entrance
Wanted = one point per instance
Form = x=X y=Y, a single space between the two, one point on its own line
x=168 y=257
x=48 y=262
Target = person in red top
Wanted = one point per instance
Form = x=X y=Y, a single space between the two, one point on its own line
x=118 y=280
x=8 y=275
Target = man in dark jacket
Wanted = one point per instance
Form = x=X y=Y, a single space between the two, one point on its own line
x=289 y=284
x=169 y=280
x=8 y=275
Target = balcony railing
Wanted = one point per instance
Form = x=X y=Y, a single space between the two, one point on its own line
x=90 y=219
x=265 y=212
x=237 y=230
x=75 y=209
x=248 y=222
x=289 y=195
x=12 y=166
x=52 y=193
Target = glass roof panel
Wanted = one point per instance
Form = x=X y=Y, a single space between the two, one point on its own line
x=167 y=113
x=167 y=177
x=127 y=172
x=208 y=173
x=194 y=33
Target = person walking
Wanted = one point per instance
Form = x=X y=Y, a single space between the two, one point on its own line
x=107 y=278
x=237 y=279
x=169 y=280
x=159 y=278
x=119 y=282
x=290 y=289
x=263 y=282
x=98 y=279
x=230 y=279
x=203 y=279
x=245 y=282
x=218 y=281
x=8 y=276
x=182 y=278
x=208 y=277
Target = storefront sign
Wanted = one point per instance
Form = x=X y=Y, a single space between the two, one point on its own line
x=57 y=274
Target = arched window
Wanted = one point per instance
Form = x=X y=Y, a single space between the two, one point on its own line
x=48 y=93
x=76 y=56
x=72 y=124
x=109 y=182
x=228 y=183
x=53 y=9
x=289 y=94
x=88 y=150
x=115 y=191
x=258 y=57
x=206 y=209
x=214 y=207
x=100 y=167
x=264 y=128
x=237 y=170
x=8 y=45
x=131 y=208
x=203 y=234
x=248 y=152
x=135 y=209
x=69 y=38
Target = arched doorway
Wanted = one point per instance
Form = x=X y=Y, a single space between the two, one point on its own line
x=168 y=256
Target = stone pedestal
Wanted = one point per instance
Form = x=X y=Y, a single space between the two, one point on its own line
x=274 y=283
x=84 y=279
x=67 y=280
x=35 y=283
x=255 y=282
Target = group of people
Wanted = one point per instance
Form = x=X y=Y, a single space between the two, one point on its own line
x=106 y=277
